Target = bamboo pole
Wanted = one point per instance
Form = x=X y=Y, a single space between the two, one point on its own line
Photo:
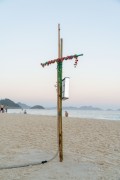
x=59 y=97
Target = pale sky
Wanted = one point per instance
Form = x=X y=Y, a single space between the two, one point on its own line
x=28 y=37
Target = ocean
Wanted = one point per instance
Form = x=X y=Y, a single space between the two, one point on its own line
x=93 y=114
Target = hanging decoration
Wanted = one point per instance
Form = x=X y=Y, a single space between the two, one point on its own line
x=76 y=61
x=62 y=59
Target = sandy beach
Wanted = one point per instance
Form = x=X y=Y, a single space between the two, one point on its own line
x=91 y=148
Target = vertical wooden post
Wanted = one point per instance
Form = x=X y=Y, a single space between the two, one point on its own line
x=59 y=97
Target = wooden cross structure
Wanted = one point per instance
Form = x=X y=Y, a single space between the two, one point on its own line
x=59 y=62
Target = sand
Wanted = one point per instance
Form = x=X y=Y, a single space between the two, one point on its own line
x=91 y=148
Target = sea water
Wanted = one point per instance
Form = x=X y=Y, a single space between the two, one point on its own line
x=92 y=114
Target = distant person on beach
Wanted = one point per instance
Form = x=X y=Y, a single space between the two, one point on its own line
x=25 y=112
x=6 y=108
x=2 y=108
x=66 y=114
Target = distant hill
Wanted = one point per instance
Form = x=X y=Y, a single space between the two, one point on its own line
x=109 y=109
x=65 y=108
x=76 y=108
x=80 y=108
x=70 y=108
x=89 y=108
x=10 y=104
x=37 y=107
x=23 y=106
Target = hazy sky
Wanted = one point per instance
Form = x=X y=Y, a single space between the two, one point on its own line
x=28 y=37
